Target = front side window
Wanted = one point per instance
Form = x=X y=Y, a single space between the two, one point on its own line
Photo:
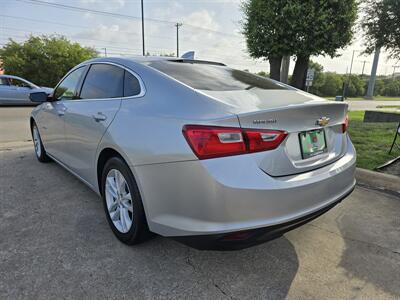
x=19 y=83
x=103 y=81
x=212 y=77
x=66 y=90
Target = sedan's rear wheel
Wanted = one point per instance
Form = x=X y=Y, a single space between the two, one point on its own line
x=122 y=202
x=40 y=152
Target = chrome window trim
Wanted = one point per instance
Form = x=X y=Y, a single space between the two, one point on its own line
x=137 y=76
x=141 y=83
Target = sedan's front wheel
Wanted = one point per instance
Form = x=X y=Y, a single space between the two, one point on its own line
x=40 y=152
x=122 y=202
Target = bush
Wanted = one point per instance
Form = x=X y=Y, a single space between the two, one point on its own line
x=332 y=85
x=392 y=88
x=43 y=60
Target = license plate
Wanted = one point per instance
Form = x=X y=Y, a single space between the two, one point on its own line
x=312 y=143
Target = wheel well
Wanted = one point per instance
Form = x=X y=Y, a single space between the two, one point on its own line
x=31 y=121
x=104 y=156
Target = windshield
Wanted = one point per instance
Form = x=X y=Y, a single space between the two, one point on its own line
x=212 y=77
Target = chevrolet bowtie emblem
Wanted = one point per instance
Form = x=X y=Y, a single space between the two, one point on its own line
x=322 y=121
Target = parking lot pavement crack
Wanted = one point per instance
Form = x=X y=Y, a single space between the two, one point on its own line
x=189 y=261
x=356 y=240
x=222 y=291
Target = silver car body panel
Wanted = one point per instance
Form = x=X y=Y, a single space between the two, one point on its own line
x=186 y=196
x=16 y=95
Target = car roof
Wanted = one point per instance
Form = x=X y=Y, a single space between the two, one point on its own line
x=148 y=59
x=11 y=76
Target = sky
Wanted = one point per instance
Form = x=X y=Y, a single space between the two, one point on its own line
x=209 y=27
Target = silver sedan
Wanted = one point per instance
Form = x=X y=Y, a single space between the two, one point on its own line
x=16 y=90
x=211 y=156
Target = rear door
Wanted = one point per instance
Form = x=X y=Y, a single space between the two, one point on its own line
x=88 y=116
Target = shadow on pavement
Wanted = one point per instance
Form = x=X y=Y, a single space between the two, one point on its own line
x=372 y=252
x=55 y=243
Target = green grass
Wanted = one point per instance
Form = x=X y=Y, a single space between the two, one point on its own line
x=376 y=98
x=389 y=106
x=371 y=140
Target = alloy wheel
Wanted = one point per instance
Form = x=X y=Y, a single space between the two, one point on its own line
x=119 y=201
x=36 y=141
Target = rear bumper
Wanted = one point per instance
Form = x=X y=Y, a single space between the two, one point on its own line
x=224 y=195
x=248 y=238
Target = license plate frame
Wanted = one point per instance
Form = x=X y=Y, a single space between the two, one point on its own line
x=318 y=147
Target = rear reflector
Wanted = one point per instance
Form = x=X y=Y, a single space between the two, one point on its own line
x=211 y=141
x=345 y=125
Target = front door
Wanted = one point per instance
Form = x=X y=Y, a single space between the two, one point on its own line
x=88 y=116
x=51 y=118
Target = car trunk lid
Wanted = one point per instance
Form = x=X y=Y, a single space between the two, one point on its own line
x=296 y=113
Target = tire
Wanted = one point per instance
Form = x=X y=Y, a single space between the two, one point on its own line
x=40 y=152
x=125 y=217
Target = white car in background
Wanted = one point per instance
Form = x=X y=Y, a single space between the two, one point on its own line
x=15 y=90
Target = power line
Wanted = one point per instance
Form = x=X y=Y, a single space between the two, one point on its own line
x=76 y=26
x=100 y=12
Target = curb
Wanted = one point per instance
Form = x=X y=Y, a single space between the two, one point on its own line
x=379 y=181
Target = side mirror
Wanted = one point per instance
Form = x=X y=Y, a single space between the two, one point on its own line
x=38 y=97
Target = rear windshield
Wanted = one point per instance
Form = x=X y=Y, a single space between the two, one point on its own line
x=211 y=77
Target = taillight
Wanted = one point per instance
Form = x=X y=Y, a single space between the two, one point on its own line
x=345 y=125
x=262 y=140
x=211 y=141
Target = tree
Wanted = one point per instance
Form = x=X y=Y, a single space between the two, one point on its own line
x=392 y=88
x=267 y=31
x=274 y=28
x=332 y=84
x=381 y=26
x=43 y=60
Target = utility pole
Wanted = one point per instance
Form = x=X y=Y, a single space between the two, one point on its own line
x=364 y=62
x=177 y=25
x=372 y=79
x=105 y=52
x=144 y=51
x=348 y=79
x=394 y=71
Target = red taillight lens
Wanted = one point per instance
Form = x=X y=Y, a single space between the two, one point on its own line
x=208 y=142
x=345 y=125
x=211 y=142
x=262 y=140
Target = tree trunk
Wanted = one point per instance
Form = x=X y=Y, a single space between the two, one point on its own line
x=285 y=69
x=275 y=67
x=300 y=72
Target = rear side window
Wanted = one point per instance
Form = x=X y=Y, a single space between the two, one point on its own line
x=103 y=81
x=212 y=77
x=131 y=85
x=67 y=88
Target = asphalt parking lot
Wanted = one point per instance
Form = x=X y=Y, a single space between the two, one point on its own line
x=55 y=243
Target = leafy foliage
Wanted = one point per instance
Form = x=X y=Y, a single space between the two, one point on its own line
x=43 y=60
x=381 y=25
x=274 y=28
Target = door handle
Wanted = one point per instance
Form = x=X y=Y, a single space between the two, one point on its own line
x=99 y=117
